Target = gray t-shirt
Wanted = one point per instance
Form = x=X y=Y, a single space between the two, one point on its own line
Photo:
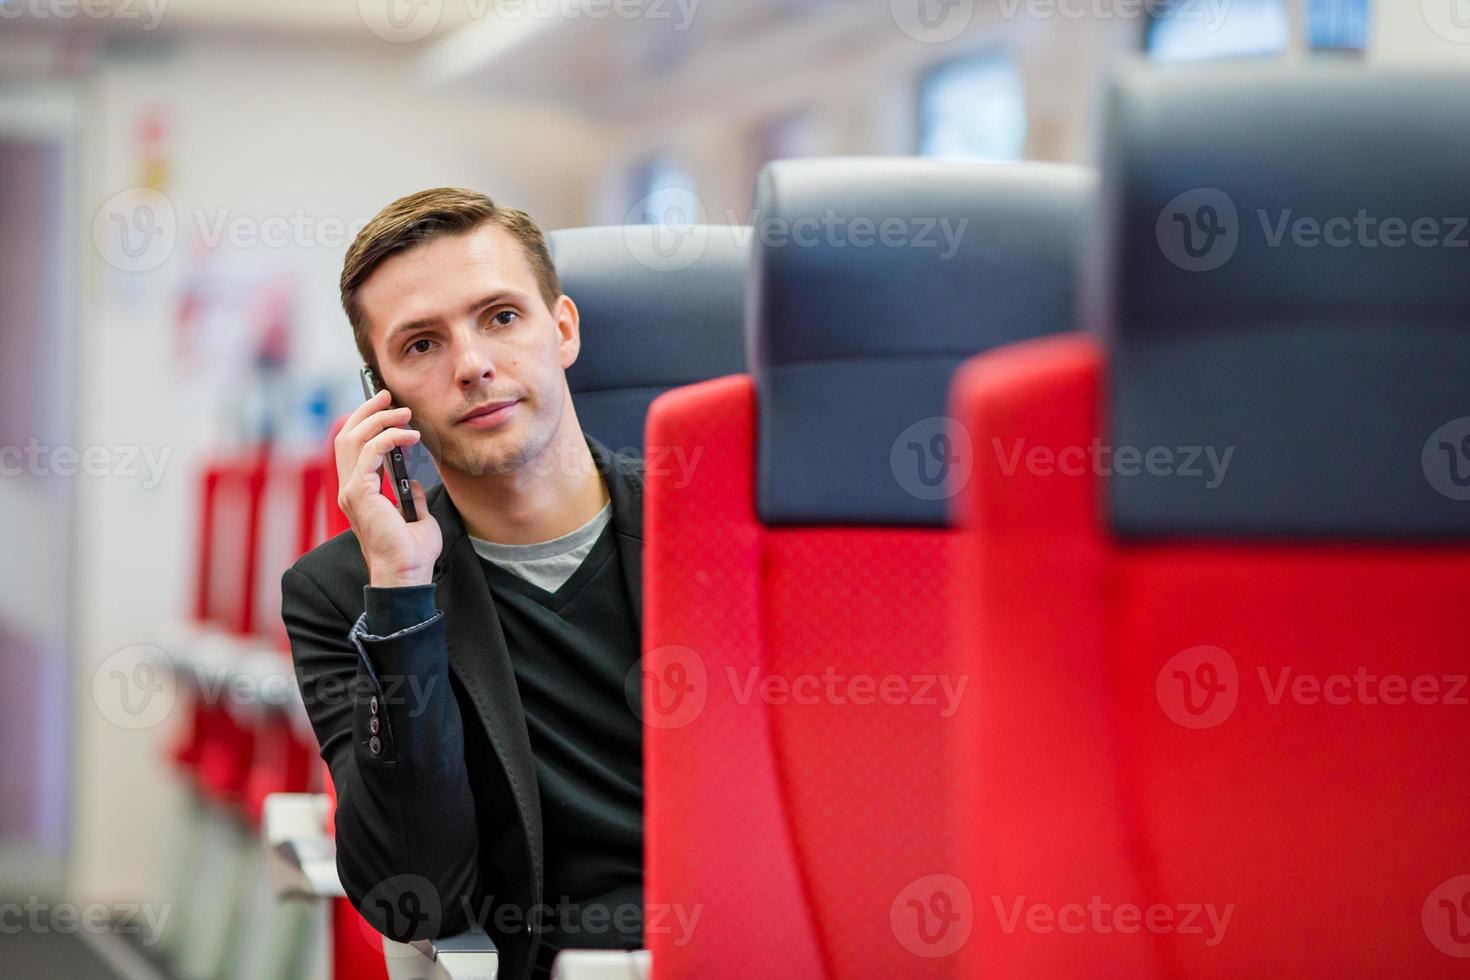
x=546 y=564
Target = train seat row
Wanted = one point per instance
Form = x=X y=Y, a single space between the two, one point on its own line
x=1073 y=595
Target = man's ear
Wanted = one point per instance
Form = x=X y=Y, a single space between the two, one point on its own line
x=569 y=329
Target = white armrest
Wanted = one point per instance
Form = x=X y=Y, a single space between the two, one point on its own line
x=302 y=859
x=602 y=964
x=468 y=956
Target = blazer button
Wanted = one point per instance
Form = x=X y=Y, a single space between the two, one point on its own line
x=375 y=745
x=373 y=726
x=373 y=704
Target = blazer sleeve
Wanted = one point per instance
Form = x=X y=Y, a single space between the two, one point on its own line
x=392 y=737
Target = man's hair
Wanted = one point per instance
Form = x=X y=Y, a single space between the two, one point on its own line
x=418 y=218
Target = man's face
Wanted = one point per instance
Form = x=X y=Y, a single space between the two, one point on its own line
x=458 y=325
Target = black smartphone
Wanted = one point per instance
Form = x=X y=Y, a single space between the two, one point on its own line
x=396 y=463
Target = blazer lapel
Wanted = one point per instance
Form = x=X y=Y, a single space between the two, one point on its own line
x=624 y=477
x=479 y=658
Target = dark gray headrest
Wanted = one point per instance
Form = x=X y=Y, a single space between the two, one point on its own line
x=871 y=280
x=661 y=307
x=1284 y=275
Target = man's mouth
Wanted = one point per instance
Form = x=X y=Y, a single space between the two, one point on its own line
x=488 y=415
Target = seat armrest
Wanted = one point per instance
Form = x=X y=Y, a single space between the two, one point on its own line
x=602 y=964
x=470 y=955
x=301 y=858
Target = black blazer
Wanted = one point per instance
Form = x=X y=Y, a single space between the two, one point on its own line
x=438 y=810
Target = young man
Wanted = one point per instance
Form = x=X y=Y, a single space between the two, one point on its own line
x=466 y=673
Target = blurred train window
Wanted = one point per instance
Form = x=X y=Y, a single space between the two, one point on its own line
x=1338 y=25
x=973 y=106
x=1190 y=30
x=663 y=193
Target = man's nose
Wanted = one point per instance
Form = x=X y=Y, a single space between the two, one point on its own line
x=476 y=363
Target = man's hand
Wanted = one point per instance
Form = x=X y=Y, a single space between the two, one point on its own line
x=397 y=552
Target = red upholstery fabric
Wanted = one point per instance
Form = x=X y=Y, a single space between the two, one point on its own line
x=788 y=803
x=1332 y=834
x=281 y=763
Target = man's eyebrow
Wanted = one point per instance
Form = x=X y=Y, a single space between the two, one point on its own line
x=489 y=300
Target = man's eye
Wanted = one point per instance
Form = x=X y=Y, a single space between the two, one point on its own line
x=421 y=346
x=505 y=317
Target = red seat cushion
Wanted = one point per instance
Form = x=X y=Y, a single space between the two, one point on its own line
x=793 y=701
x=1195 y=727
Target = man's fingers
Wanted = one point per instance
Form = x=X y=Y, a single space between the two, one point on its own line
x=420 y=501
x=373 y=451
x=377 y=422
x=373 y=404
